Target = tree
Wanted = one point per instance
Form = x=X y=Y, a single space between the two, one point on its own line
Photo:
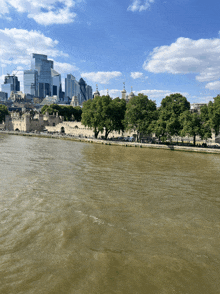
x=193 y=125
x=140 y=114
x=213 y=113
x=90 y=116
x=104 y=114
x=168 y=123
x=3 y=112
x=66 y=111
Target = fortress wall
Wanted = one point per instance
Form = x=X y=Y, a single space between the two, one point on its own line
x=76 y=129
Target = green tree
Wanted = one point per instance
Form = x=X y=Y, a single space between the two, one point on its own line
x=213 y=112
x=193 y=125
x=140 y=114
x=168 y=123
x=68 y=112
x=104 y=114
x=3 y=112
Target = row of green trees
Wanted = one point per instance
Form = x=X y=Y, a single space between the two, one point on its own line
x=68 y=112
x=172 y=118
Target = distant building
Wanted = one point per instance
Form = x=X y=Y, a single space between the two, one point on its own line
x=82 y=85
x=26 y=123
x=31 y=82
x=131 y=95
x=88 y=92
x=195 y=107
x=72 y=87
x=11 y=83
x=74 y=101
x=43 y=66
x=56 y=84
x=96 y=93
x=3 y=96
x=48 y=100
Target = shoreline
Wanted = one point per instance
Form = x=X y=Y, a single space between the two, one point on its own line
x=116 y=143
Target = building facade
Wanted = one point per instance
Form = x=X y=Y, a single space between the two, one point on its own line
x=43 y=66
x=11 y=83
x=31 y=82
x=72 y=87
x=56 y=84
x=88 y=92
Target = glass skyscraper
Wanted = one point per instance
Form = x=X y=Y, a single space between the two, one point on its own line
x=31 y=82
x=43 y=66
x=56 y=82
x=11 y=83
x=72 y=87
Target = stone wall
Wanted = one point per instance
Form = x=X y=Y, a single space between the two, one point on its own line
x=77 y=129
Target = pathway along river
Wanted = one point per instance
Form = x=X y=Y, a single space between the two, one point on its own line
x=85 y=218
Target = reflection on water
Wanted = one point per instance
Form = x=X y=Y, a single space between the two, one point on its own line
x=86 y=218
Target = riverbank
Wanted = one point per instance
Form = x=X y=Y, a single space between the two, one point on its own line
x=116 y=143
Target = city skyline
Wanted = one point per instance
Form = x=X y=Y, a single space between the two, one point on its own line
x=156 y=46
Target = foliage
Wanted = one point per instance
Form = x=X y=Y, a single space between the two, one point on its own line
x=140 y=114
x=3 y=112
x=104 y=114
x=213 y=110
x=68 y=112
x=193 y=125
x=168 y=123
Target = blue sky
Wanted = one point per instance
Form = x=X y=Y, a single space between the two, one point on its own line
x=158 y=47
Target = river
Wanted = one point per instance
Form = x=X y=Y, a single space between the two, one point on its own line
x=87 y=218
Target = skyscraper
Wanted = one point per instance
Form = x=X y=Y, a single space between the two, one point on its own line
x=72 y=87
x=82 y=85
x=31 y=82
x=56 y=84
x=43 y=66
x=11 y=83
x=88 y=92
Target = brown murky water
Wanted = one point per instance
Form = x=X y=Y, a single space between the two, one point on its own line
x=85 y=218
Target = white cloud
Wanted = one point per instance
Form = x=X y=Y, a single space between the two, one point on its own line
x=45 y=12
x=136 y=75
x=158 y=94
x=64 y=67
x=17 y=46
x=213 y=85
x=101 y=76
x=112 y=93
x=201 y=57
x=138 y=5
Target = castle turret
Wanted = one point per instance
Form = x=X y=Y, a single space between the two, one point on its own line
x=97 y=92
x=123 y=93
x=131 y=95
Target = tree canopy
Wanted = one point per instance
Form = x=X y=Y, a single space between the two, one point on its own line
x=3 y=112
x=193 y=125
x=168 y=123
x=104 y=114
x=68 y=112
x=140 y=114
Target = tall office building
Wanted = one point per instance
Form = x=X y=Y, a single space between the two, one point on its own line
x=43 y=66
x=82 y=85
x=11 y=83
x=56 y=84
x=31 y=82
x=72 y=87
x=88 y=92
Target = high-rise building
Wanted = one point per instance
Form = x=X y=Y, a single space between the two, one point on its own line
x=11 y=83
x=72 y=87
x=82 y=85
x=88 y=92
x=56 y=84
x=43 y=66
x=31 y=82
